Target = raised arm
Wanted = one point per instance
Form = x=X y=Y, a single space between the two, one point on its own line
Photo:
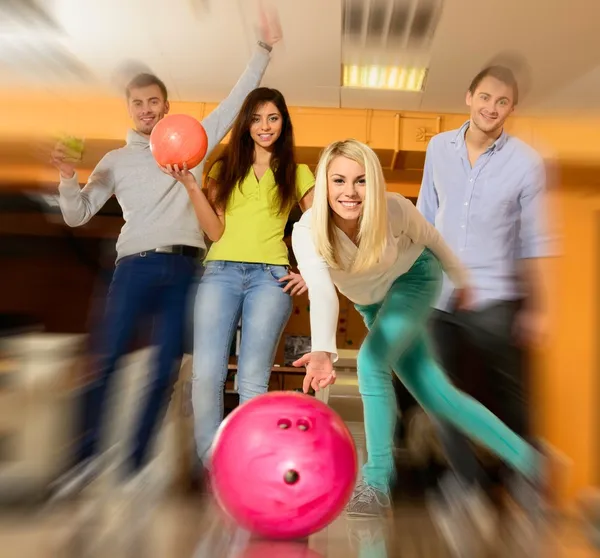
x=78 y=205
x=218 y=123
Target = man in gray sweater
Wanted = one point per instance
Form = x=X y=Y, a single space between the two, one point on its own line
x=157 y=248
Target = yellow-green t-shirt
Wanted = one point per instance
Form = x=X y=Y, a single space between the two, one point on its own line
x=253 y=228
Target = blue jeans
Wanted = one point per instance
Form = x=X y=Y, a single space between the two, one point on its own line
x=147 y=285
x=227 y=291
x=188 y=336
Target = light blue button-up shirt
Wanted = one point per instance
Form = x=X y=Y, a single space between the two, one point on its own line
x=491 y=215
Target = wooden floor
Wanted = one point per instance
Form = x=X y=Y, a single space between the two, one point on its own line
x=191 y=527
x=187 y=528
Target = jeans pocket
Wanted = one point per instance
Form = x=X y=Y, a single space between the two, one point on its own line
x=212 y=267
x=278 y=272
x=190 y=263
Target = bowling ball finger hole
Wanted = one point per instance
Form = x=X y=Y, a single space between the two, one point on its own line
x=303 y=425
x=291 y=477
x=284 y=424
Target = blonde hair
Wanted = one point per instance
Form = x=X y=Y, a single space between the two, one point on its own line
x=373 y=222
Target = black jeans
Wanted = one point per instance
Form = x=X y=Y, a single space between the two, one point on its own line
x=478 y=352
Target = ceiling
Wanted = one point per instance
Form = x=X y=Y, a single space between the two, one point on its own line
x=199 y=48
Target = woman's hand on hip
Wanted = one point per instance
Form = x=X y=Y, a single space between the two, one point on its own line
x=295 y=284
x=319 y=370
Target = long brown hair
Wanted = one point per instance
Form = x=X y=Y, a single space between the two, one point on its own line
x=238 y=157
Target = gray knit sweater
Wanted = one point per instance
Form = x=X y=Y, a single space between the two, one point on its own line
x=156 y=208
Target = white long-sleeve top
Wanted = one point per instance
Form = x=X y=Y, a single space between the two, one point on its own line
x=408 y=235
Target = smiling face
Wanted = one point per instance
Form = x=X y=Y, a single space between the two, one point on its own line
x=491 y=103
x=147 y=106
x=346 y=187
x=266 y=125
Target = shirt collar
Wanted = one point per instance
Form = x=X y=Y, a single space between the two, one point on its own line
x=268 y=178
x=459 y=138
x=135 y=139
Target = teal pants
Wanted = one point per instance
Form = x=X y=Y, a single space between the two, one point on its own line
x=397 y=340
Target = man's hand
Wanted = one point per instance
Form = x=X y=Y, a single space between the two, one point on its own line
x=319 y=370
x=463 y=299
x=295 y=284
x=269 y=26
x=65 y=155
x=531 y=328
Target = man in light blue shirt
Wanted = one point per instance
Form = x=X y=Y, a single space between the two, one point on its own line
x=485 y=192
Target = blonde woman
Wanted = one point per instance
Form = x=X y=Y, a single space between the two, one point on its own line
x=382 y=254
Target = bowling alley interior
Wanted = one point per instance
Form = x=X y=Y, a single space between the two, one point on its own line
x=392 y=74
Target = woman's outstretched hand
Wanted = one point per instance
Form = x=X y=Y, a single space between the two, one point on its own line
x=319 y=370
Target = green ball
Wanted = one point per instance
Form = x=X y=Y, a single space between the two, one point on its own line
x=73 y=144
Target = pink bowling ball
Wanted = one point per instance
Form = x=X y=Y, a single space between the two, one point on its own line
x=284 y=465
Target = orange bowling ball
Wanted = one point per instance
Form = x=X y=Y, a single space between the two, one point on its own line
x=178 y=139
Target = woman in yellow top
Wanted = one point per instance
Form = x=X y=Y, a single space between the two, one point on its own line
x=252 y=188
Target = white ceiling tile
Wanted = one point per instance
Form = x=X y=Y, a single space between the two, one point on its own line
x=199 y=47
x=380 y=100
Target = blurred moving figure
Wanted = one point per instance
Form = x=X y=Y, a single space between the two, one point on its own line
x=157 y=252
x=484 y=190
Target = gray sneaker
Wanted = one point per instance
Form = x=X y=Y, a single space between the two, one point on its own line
x=75 y=480
x=589 y=507
x=451 y=509
x=368 y=501
x=72 y=483
x=531 y=533
x=533 y=496
x=369 y=537
x=474 y=503
x=137 y=501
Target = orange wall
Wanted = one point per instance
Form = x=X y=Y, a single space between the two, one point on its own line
x=30 y=115
x=567 y=374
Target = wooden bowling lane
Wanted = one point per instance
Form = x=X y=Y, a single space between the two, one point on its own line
x=343 y=539
x=187 y=526
x=409 y=534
